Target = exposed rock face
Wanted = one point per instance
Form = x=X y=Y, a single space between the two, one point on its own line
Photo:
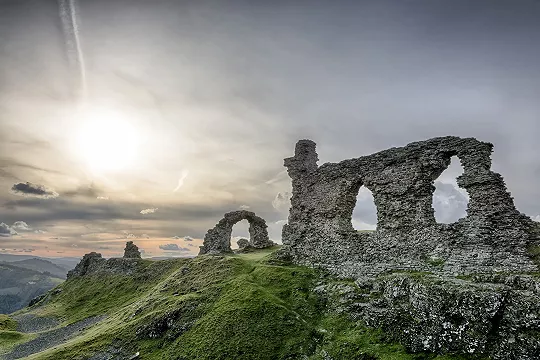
x=131 y=251
x=94 y=263
x=218 y=239
x=447 y=315
x=89 y=263
x=242 y=243
x=493 y=237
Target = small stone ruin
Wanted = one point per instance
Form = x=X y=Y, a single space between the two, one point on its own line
x=494 y=236
x=93 y=262
x=131 y=251
x=218 y=239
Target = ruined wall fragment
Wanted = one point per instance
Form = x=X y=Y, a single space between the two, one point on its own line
x=218 y=239
x=493 y=237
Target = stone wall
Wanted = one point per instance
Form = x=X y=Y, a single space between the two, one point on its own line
x=218 y=239
x=493 y=237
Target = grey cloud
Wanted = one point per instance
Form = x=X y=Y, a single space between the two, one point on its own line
x=282 y=201
x=449 y=203
x=244 y=207
x=33 y=190
x=188 y=238
x=176 y=237
x=172 y=247
x=6 y=231
x=21 y=226
x=365 y=211
x=145 y=236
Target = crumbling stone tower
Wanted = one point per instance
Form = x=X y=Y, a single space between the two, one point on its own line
x=493 y=237
x=131 y=251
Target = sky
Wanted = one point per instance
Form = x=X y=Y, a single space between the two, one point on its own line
x=148 y=120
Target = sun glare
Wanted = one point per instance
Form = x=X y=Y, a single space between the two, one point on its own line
x=106 y=141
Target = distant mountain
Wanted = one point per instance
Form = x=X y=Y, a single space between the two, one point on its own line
x=66 y=263
x=42 y=266
x=19 y=285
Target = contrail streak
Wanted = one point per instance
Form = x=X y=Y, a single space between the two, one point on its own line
x=70 y=27
x=184 y=175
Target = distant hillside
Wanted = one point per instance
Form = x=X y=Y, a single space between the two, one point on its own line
x=67 y=263
x=19 y=285
x=42 y=266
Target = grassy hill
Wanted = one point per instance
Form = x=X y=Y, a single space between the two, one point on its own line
x=247 y=306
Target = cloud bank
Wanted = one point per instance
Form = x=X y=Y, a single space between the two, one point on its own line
x=172 y=247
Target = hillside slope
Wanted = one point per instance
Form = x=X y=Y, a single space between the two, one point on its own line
x=42 y=266
x=19 y=285
x=249 y=306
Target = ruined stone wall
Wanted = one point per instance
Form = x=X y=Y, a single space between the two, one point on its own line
x=493 y=237
x=218 y=239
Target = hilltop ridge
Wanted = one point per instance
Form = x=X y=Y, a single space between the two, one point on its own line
x=256 y=306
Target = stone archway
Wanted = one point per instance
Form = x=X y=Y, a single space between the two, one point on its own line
x=218 y=239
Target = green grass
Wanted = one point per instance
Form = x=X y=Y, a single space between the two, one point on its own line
x=7 y=323
x=8 y=339
x=534 y=252
x=211 y=307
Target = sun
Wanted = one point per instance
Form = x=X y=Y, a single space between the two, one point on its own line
x=106 y=140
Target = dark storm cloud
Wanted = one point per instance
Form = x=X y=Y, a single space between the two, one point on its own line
x=33 y=190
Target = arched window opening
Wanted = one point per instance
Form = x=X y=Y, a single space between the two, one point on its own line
x=240 y=230
x=364 y=216
x=449 y=200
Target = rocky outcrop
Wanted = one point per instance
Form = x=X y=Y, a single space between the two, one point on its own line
x=242 y=243
x=428 y=313
x=94 y=263
x=218 y=239
x=131 y=251
x=493 y=237
x=90 y=263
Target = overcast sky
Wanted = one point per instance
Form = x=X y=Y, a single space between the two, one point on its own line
x=189 y=107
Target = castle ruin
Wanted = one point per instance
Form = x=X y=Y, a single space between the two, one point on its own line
x=493 y=237
x=218 y=239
